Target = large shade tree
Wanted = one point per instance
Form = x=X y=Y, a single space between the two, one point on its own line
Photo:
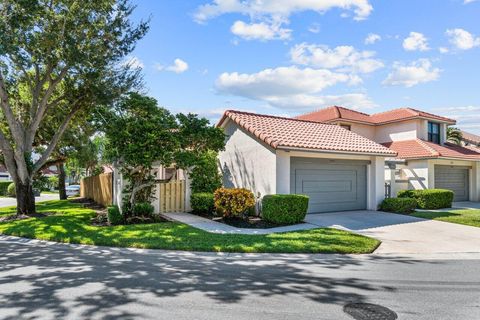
x=57 y=58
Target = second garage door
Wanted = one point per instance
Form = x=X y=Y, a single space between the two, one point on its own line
x=453 y=178
x=331 y=185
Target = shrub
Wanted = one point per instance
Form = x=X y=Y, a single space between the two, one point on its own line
x=205 y=176
x=143 y=209
x=284 y=208
x=430 y=198
x=11 y=190
x=399 y=205
x=114 y=216
x=234 y=202
x=202 y=203
x=3 y=187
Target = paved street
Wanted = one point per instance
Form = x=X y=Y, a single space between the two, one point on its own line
x=40 y=280
x=7 y=201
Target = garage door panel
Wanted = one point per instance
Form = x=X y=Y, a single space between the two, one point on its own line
x=455 y=179
x=331 y=187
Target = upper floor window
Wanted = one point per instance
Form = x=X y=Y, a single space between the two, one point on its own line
x=346 y=126
x=434 y=132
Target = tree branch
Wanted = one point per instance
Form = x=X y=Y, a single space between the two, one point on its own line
x=16 y=128
x=46 y=154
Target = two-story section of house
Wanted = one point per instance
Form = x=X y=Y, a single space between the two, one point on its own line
x=424 y=159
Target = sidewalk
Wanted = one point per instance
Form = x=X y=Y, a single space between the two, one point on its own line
x=217 y=227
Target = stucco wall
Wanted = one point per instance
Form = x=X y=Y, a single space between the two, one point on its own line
x=247 y=163
x=398 y=131
x=364 y=130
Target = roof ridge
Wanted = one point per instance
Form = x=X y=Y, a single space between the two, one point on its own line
x=353 y=110
x=277 y=117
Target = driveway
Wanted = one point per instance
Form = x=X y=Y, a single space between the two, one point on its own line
x=7 y=202
x=402 y=234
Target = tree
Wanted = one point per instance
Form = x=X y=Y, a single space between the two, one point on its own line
x=139 y=134
x=454 y=135
x=58 y=58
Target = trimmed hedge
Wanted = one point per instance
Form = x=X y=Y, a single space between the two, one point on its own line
x=429 y=198
x=202 y=203
x=399 y=205
x=3 y=187
x=235 y=202
x=284 y=208
x=114 y=216
x=143 y=209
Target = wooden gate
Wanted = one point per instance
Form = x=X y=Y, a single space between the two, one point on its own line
x=172 y=196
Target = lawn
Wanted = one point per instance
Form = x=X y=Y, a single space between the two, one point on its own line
x=467 y=217
x=71 y=224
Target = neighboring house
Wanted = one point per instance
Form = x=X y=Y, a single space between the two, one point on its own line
x=4 y=174
x=425 y=159
x=339 y=169
x=342 y=158
x=470 y=139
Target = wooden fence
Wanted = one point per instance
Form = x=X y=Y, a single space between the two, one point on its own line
x=98 y=188
x=172 y=196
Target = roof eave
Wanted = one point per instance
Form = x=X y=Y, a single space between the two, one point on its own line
x=289 y=148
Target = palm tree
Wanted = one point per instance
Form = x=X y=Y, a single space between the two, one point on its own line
x=454 y=135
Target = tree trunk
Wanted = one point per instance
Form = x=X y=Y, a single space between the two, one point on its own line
x=61 y=181
x=25 y=198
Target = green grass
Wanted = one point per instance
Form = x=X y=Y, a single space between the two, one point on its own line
x=466 y=217
x=71 y=224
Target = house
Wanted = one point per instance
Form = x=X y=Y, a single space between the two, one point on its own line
x=342 y=158
x=425 y=159
x=339 y=169
x=470 y=139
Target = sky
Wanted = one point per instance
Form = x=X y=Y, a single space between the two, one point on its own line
x=287 y=57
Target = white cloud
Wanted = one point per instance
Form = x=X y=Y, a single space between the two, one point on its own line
x=133 y=62
x=416 y=41
x=468 y=1
x=443 y=50
x=372 y=38
x=409 y=75
x=260 y=31
x=279 y=8
x=462 y=39
x=178 y=66
x=289 y=87
x=344 y=58
x=305 y=101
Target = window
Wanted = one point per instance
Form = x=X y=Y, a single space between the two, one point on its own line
x=434 y=132
x=346 y=126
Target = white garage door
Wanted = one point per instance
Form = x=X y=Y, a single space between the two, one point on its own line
x=455 y=179
x=332 y=185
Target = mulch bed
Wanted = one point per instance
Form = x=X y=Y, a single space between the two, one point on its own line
x=251 y=223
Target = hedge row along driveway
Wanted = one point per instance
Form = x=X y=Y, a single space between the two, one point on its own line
x=70 y=223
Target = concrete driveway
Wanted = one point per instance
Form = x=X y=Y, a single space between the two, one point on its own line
x=8 y=202
x=402 y=234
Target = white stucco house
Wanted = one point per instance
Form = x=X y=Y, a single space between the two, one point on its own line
x=342 y=158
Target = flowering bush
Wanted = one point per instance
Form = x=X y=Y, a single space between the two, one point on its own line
x=234 y=202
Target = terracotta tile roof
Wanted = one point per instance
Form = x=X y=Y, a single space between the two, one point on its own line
x=336 y=113
x=470 y=137
x=419 y=149
x=406 y=113
x=279 y=132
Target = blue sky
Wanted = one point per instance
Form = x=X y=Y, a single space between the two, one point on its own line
x=287 y=57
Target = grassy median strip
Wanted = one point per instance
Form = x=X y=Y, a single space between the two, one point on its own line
x=71 y=224
x=467 y=217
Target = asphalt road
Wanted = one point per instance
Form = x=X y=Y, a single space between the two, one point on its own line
x=7 y=201
x=40 y=280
